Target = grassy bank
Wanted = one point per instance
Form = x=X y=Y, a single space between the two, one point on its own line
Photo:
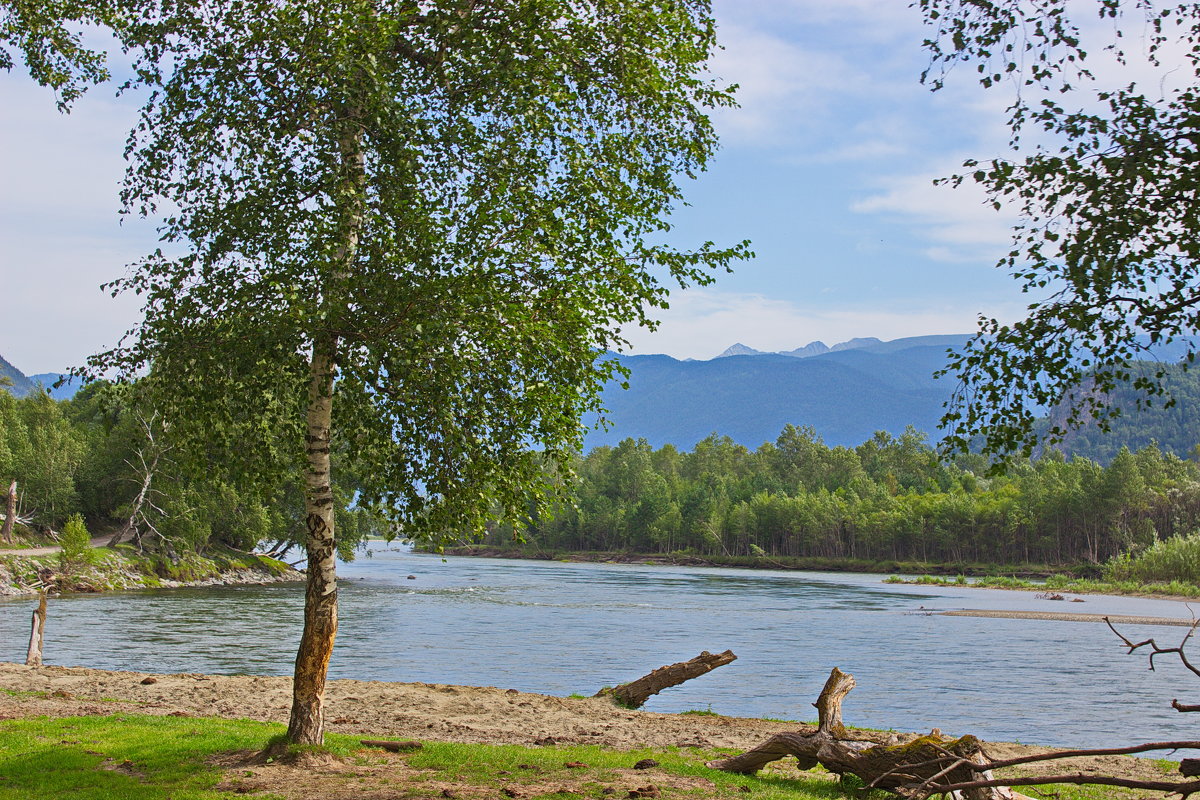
x=1168 y=568
x=808 y=564
x=133 y=757
x=120 y=568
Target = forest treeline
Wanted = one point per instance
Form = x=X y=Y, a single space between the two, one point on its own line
x=890 y=498
x=105 y=455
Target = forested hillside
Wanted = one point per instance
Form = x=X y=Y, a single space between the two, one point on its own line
x=1175 y=429
x=104 y=456
x=890 y=498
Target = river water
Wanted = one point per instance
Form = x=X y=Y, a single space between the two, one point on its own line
x=559 y=628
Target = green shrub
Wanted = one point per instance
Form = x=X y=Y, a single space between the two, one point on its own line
x=76 y=544
x=1174 y=559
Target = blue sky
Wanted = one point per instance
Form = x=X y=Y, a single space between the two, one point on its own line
x=827 y=168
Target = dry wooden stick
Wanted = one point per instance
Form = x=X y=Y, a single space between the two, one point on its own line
x=635 y=693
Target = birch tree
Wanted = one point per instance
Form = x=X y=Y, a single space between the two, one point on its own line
x=405 y=232
x=1104 y=177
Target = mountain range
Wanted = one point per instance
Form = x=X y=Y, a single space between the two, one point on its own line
x=23 y=384
x=846 y=392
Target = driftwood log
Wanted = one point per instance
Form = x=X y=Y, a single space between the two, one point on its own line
x=932 y=764
x=635 y=693
x=37 y=634
x=914 y=769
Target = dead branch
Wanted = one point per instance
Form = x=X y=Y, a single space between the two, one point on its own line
x=932 y=764
x=1110 y=751
x=635 y=693
x=1158 y=650
x=1184 y=789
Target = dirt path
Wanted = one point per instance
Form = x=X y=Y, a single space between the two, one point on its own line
x=97 y=541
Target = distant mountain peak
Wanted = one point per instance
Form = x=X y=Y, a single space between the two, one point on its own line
x=740 y=349
x=811 y=349
x=866 y=343
x=855 y=344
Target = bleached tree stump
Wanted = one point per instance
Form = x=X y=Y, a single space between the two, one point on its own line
x=33 y=658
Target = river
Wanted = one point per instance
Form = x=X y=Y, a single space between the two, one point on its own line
x=560 y=628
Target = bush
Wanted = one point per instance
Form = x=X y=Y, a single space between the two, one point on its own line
x=1174 y=559
x=76 y=544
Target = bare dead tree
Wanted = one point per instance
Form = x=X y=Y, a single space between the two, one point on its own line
x=149 y=456
x=10 y=514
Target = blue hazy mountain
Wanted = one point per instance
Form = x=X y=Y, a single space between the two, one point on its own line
x=23 y=384
x=70 y=384
x=847 y=392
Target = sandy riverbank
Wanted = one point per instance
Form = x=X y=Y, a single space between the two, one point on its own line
x=426 y=711
x=1116 y=619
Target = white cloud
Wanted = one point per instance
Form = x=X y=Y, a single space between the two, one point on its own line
x=701 y=323
x=959 y=221
x=779 y=83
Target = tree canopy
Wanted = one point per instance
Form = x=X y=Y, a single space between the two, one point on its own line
x=46 y=35
x=1107 y=190
x=403 y=234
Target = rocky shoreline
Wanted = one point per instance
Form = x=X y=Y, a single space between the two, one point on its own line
x=119 y=571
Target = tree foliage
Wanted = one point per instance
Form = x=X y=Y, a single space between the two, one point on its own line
x=517 y=163
x=1108 y=238
x=47 y=35
x=889 y=499
x=401 y=234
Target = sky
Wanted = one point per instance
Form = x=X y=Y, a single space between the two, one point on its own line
x=827 y=168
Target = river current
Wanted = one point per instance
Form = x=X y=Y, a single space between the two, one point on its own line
x=560 y=628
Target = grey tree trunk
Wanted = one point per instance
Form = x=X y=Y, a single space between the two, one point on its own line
x=307 y=723
x=10 y=513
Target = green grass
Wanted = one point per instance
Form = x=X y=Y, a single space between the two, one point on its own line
x=134 y=757
x=72 y=758
x=532 y=767
x=1061 y=583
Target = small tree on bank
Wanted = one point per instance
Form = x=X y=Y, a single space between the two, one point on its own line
x=410 y=232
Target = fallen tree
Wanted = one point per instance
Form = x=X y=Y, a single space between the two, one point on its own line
x=635 y=693
x=931 y=764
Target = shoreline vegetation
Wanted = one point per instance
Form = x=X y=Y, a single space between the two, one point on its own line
x=1025 y=577
x=122 y=568
x=134 y=735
